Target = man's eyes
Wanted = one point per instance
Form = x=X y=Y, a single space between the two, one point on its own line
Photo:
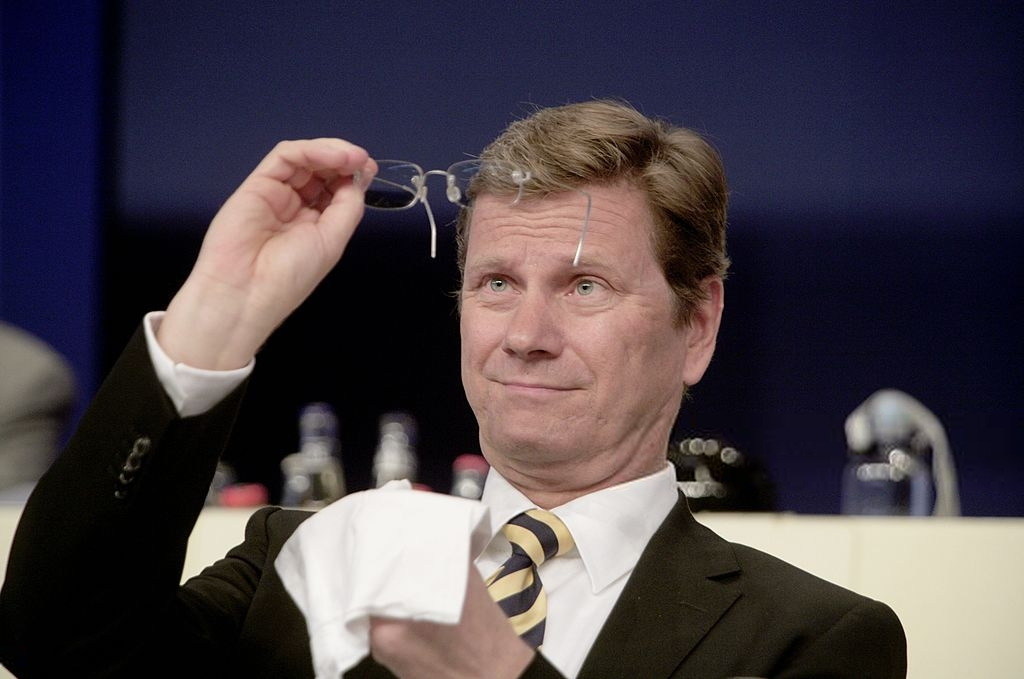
x=583 y=287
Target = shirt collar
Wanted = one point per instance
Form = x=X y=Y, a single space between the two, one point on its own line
x=611 y=527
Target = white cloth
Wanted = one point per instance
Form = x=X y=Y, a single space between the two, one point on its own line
x=391 y=552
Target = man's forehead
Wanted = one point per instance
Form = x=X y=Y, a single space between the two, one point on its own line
x=618 y=218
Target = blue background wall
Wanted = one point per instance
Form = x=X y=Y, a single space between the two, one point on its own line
x=874 y=153
x=50 y=191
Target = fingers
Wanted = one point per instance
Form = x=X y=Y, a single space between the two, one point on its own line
x=298 y=162
x=311 y=173
x=481 y=644
x=317 y=190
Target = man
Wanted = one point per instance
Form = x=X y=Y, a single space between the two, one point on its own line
x=592 y=258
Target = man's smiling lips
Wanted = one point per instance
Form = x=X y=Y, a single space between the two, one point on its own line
x=534 y=388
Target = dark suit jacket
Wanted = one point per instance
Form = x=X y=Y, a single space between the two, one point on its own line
x=92 y=584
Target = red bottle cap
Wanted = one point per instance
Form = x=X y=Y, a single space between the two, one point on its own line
x=470 y=462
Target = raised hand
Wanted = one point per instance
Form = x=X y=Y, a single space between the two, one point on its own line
x=267 y=248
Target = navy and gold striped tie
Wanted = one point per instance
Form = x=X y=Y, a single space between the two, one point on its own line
x=536 y=536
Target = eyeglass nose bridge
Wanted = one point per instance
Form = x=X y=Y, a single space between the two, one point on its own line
x=451 y=189
x=452 y=192
x=465 y=170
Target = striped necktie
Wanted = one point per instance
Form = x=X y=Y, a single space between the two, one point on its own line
x=536 y=536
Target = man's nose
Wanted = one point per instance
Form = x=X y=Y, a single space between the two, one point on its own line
x=534 y=329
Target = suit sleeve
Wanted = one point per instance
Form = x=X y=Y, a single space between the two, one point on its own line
x=540 y=668
x=866 y=643
x=93 y=573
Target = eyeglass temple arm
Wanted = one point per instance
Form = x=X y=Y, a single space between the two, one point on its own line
x=583 y=231
x=430 y=218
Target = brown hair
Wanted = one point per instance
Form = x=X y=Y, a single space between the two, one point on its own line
x=605 y=141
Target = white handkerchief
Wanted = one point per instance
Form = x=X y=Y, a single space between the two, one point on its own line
x=402 y=554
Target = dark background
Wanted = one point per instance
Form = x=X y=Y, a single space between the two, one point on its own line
x=874 y=152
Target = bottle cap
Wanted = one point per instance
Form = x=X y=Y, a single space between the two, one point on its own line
x=244 y=495
x=470 y=462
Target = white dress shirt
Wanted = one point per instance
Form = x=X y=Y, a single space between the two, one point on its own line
x=192 y=390
x=611 y=527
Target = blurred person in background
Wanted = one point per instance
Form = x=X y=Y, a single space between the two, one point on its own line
x=37 y=396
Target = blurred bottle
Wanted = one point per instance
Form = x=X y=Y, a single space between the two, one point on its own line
x=396 y=458
x=888 y=469
x=314 y=477
x=223 y=477
x=468 y=474
x=244 y=495
x=227 y=491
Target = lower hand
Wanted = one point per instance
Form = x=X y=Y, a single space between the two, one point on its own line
x=482 y=644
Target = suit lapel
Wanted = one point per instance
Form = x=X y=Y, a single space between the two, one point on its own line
x=669 y=603
x=369 y=669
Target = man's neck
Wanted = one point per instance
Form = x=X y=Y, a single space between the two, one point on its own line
x=551 y=489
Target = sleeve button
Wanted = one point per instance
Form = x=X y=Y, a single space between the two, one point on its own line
x=141 y=446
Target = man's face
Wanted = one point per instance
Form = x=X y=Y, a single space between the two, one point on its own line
x=575 y=373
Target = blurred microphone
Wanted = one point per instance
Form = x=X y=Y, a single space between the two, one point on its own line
x=899 y=459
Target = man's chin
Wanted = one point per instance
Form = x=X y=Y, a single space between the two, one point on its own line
x=531 y=446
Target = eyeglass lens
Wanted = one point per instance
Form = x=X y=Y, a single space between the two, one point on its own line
x=396 y=185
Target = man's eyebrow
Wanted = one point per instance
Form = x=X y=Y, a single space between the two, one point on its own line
x=487 y=262
x=597 y=262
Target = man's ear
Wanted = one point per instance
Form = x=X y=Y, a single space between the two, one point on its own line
x=702 y=331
